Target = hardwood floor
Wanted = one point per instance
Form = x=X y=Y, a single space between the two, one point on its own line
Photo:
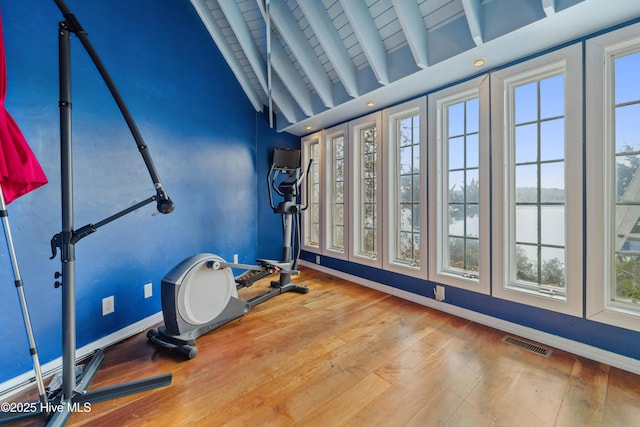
x=348 y=355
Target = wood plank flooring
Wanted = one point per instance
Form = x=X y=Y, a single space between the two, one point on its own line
x=346 y=355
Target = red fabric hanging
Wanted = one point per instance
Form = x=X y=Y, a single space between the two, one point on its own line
x=20 y=171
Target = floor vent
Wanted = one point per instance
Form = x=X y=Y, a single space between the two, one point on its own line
x=527 y=346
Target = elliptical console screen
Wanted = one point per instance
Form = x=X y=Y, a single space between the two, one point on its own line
x=286 y=159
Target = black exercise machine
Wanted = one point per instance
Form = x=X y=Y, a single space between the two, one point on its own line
x=201 y=293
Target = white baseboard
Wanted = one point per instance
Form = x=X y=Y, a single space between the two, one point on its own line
x=594 y=353
x=21 y=382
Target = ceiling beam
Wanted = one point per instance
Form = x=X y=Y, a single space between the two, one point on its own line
x=331 y=43
x=296 y=40
x=221 y=41
x=474 y=19
x=549 y=7
x=290 y=77
x=414 y=29
x=283 y=100
x=233 y=14
x=369 y=37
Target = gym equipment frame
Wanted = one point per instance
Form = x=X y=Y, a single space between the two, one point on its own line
x=200 y=293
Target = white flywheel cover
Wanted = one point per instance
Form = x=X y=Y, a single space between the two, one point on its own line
x=205 y=292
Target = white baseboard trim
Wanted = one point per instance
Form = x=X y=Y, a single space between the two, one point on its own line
x=594 y=353
x=23 y=381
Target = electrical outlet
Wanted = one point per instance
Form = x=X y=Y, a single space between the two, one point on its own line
x=317 y=259
x=148 y=290
x=108 y=306
x=439 y=293
x=235 y=258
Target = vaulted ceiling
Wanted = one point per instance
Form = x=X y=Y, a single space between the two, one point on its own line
x=315 y=63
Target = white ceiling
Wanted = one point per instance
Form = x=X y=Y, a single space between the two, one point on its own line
x=319 y=62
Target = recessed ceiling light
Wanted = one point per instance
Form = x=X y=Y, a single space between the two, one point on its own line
x=308 y=127
x=370 y=104
x=478 y=62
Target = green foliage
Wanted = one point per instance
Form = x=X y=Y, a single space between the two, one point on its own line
x=627 y=277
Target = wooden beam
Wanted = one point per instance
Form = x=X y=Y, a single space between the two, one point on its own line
x=333 y=46
x=474 y=19
x=414 y=29
x=369 y=37
x=220 y=40
x=300 y=48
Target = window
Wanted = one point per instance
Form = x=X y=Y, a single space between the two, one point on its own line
x=405 y=174
x=537 y=151
x=311 y=216
x=613 y=181
x=366 y=188
x=459 y=170
x=336 y=189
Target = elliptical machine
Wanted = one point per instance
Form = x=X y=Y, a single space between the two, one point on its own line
x=201 y=294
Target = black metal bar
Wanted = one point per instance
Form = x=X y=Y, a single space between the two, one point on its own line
x=164 y=203
x=113 y=392
x=67 y=248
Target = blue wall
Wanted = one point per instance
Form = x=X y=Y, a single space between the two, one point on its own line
x=202 y=133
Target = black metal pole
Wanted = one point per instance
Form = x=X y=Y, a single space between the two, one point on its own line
x=67 y=248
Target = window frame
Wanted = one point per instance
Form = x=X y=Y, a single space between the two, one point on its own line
x=306 y=143
x=600 y=181
x=390 y=197
x=438 y=189
x=355 y=253
x=328 y=158
x=570 y=60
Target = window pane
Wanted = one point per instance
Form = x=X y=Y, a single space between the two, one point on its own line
x=626 y=171
x=472 y=252
x=627 y=134
x=552 y=182
x=473 y=116
x=627 y=289
x=627 y=69
x=456 y=186
x=455 y=115
x=406 y=160
x=526 y=103
x=527 y=143
x=552 y=97
x=456 y=153
x=456 y=252
x=539 y=177
x=463 y=186
x=552 y=140
x=527 y=224
x=552 y=225
x=472 y=187
x=406 y=220
x=473 y=151
x=526 y=184
x=552 y=271
x=527 y=263
x=408 y=188
x=473 y=223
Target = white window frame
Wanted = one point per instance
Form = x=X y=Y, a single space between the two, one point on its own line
x=390 y=203
x=307 y=142
x=601 y=176
x=439 y=271
x=328 y=159
x=355 y=252
x=569 y=58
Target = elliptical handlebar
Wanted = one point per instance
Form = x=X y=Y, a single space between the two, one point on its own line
x=295 y=180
